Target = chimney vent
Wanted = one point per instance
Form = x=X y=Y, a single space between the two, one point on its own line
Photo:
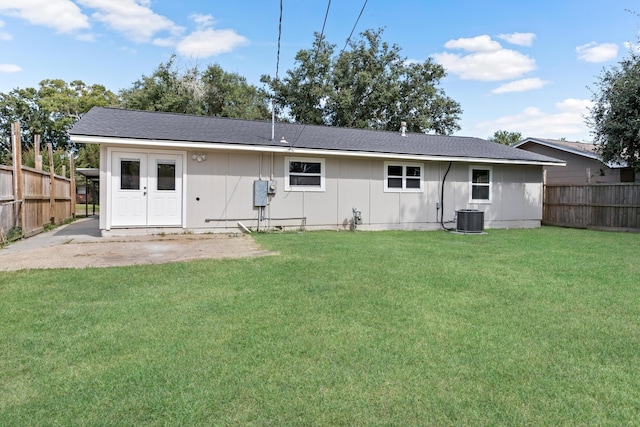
x=403 y=128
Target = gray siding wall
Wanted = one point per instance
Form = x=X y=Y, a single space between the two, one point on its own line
x=219 y=194
x=224 y=186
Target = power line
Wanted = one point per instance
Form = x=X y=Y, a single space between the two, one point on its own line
x=326 y=15
x=279 y=36
x=273 y=101
x=325 y=19
x=354 y=27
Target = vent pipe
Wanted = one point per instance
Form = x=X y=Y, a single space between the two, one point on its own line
x=403 y=128
x=273 y=119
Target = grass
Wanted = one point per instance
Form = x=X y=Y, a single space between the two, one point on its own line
x=536 y=327
x=82 y=211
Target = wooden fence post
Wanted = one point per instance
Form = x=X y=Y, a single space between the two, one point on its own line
x=52 y=190
x=72 y=190
x=16 y=151
x=38 y=156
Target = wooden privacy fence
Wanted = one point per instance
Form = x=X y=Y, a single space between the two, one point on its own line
x=31 y=198
x=599 y=206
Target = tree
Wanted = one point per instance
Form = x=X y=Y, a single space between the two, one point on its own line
x=229 y=95
x=49 y=111
x=615 y=116
x=505 y=137
x=368 y=86
x=213 y=92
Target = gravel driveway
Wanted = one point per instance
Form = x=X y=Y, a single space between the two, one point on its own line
x=78 y=245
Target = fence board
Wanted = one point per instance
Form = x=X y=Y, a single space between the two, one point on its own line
x=6 y=183
x=36 y=200
x=602 y=206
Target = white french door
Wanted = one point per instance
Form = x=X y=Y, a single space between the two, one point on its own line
x=146 y=189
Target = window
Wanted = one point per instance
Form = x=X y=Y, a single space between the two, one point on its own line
x=130 y=174
x=480 y=184
x=166 y=176
x=304 y=174
x=403 y=177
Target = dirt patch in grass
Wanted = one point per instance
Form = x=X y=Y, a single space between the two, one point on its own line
x=132 y=251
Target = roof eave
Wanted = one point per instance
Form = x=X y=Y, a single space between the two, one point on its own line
x=559 y=147
x=288 y=149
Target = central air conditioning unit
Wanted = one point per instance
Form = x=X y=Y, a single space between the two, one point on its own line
x=470 y=221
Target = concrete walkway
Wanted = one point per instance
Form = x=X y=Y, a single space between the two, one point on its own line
x=80 y=245
x=81 y=230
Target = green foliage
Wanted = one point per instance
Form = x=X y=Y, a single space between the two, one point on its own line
x=49 y=111
x=515 y=327
x=369 y=86
x=60 y=158
x=14 y=233
x=505 y=137
x=213 y=92
x=88 y=156
x=615 y=116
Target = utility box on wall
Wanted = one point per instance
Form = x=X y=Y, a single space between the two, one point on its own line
x=260 y=193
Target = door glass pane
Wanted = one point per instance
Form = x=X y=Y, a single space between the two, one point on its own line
x=166 y=176
x=129 y=174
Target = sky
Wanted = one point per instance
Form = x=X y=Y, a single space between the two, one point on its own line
x=519 y=66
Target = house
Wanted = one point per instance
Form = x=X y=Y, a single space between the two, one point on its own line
x=162 y=172
x=584 y=164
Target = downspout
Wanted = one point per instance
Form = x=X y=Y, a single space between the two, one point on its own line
x=444 y=178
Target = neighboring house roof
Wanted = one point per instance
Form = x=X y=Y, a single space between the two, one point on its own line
x=111 y=125
x=583 y=149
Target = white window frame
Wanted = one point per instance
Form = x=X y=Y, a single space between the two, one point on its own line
x=287 y=182
x=404 y=188
x=489 y=185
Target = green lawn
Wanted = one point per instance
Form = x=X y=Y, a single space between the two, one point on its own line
x=537 y=327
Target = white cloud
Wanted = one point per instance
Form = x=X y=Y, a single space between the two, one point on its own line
x=488 y=60
x=522 y=85
x=202 y=21
x=164 y=42
x=594 y=52
x=132 y=18
x=631 y=47
x=520 y=39
x=475 y=44
x=62 y=15
x=3 y=35
x=567 y=122
x=86 y=37
x=9 y=68
x=206 y=41
x=209 y=42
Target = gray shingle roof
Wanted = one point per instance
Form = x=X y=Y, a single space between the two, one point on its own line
x=580 y=148
x=145 y=125
x=583 y=149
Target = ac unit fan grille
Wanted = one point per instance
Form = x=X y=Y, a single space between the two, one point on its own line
x=470 y=221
